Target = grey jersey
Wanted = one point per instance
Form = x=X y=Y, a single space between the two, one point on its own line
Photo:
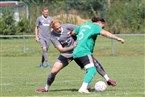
x=64 y=38
x=43 y=25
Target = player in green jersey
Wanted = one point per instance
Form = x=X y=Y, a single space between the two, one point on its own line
x=82 y=53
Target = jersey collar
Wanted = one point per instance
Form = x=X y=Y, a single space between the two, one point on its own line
x=44 y=17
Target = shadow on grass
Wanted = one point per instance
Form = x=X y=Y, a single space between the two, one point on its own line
x=73 y=90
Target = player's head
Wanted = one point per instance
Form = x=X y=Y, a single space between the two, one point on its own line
x=99 y=21
x=45 y=11
x=56 y=25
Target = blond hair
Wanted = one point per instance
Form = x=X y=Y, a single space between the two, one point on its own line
x=53 y=23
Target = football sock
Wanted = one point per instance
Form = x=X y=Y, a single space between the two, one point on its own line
x=89 y=74
x=45 y=55
x=84 y=86
x=106 y=77
x=51 y=78
x=100 y=69
x=46 y=87
x=42 y=60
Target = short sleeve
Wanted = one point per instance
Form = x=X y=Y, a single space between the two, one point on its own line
x=98 y=29
x=77 y=30
x=70 y=27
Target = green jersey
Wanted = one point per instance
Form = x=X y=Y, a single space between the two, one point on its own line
x=86 y=36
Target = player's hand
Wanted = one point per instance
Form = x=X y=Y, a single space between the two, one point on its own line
x=120 y=40
x=75 y=43
x=37 y=39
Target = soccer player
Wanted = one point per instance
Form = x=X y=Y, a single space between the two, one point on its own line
x=42 y=34
x=65 y=43
x=82 y=53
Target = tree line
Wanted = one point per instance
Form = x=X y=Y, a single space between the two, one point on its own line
x=122 y=16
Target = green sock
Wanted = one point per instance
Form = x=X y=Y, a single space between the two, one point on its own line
x=90 y=74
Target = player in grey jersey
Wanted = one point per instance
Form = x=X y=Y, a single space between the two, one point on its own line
x=43 y=27
x=65 y=43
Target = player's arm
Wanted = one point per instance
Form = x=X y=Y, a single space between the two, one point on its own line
x=111 y=36
x=59 y=47
x=64 y=49
x=75 y=31
x=36 y=33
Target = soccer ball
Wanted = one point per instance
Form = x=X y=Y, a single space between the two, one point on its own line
x=100 y=86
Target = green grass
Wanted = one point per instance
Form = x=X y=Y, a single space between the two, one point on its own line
x=21 y=75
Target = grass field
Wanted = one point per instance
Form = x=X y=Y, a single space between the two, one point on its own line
x=21 y=75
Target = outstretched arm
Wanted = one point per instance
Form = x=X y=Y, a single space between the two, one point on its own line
x=111 y=36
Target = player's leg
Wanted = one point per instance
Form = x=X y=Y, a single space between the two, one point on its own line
x=86 y=62
x=60 y=63
x=42 y=61
x=47 y=46
x=55 y=69
x=44 y=52
x=44 y=49
x=42 y=44
x=102 y=72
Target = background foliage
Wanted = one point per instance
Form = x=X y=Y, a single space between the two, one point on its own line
x=123 y=16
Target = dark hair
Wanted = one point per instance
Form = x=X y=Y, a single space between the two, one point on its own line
x=97 y=19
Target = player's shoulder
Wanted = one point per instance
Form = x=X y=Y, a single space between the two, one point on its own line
x=66 y=25
x=86 y=23
x=39 y=17
x=50 y=17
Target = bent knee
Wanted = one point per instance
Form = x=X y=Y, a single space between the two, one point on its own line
x=44 y=48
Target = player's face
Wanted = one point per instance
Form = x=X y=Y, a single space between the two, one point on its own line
x=45 y=13
x=57 y=27
x=102 y=25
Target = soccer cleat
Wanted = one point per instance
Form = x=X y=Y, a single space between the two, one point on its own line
x=48 y=65
x=84 y=91
x=41 y=66
x=41 y=90
x=111 y=82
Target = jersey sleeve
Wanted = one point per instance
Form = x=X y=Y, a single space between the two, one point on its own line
x=37 y=22
x=98 y=30
x=77 y=30
x=70 y=27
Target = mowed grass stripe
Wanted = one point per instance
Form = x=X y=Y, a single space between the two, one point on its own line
x=21 y=75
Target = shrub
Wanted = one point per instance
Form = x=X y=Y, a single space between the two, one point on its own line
x=10 y=27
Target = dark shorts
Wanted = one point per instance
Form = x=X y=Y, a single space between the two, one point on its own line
x=65 y=61
x=85 y=61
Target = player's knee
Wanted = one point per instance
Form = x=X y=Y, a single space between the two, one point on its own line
x=44 y=49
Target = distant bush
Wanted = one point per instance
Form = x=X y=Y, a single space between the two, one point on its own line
x=8 y=26
x=23 y=26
